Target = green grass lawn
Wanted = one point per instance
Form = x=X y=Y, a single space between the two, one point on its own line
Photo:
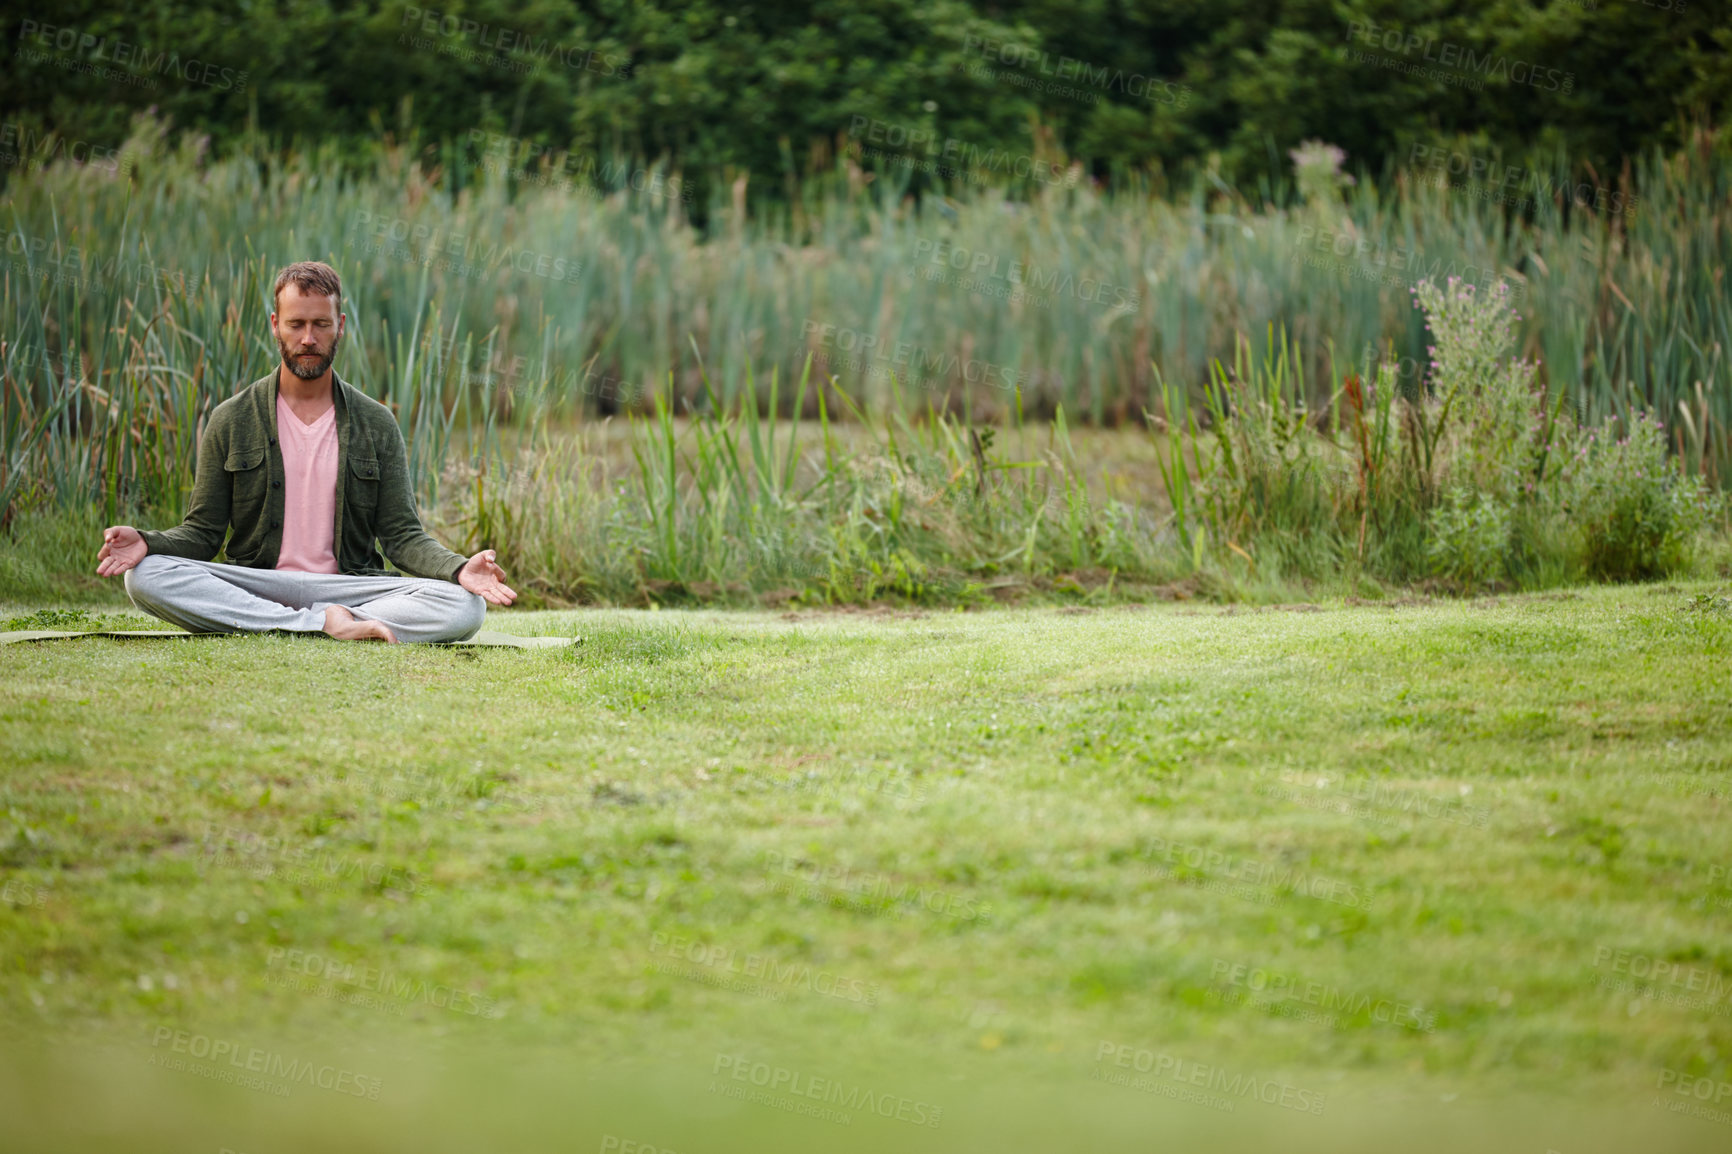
x=1391 y=876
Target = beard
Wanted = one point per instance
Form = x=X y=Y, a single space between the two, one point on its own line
x=308 y=367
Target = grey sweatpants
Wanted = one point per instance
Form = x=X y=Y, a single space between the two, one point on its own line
x=205 y=597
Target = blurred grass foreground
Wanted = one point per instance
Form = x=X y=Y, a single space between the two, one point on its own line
x=1283 y=419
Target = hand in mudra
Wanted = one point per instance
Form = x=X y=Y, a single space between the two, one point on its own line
x=122 y=548
x=481 y=575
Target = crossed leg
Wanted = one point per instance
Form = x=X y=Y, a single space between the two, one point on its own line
x=206 y=597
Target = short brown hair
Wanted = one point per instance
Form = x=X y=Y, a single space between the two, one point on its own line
x=311 y=277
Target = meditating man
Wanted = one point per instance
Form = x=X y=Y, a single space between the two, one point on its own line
x=309 y=472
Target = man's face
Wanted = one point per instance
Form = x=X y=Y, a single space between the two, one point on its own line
x=307 y=327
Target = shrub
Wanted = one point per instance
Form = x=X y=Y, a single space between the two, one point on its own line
x=1639 y=516
x=1470 y=536
x=1470 y=480
x=1491 y=445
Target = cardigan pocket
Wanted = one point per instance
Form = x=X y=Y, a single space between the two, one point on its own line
x=363 y=495
x=247 y=477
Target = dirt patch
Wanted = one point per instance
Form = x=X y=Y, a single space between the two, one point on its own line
x=882 y=613
x=864 y=612
x=1185 y=590
x=782 y=761
x=1389 y=603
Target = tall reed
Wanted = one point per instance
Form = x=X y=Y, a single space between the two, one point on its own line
x=556 y=297
x=487 y=299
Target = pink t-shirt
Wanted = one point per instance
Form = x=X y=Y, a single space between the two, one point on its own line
x=309 y=491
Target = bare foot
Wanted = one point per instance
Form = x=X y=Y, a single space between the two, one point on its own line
x=341 y=624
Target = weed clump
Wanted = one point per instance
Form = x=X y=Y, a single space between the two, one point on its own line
x=1474 y=479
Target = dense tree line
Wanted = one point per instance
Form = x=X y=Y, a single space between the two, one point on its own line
x=928 y=86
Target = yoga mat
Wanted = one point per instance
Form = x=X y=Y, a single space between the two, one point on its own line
x=489 y=637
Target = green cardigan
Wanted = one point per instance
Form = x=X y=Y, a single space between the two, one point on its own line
x=240 y=483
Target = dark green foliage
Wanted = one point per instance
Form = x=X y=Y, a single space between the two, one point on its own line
x=1639 y=539
x=770 y=89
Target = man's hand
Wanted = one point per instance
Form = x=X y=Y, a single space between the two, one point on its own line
x=481 y=575
x=122 y=548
